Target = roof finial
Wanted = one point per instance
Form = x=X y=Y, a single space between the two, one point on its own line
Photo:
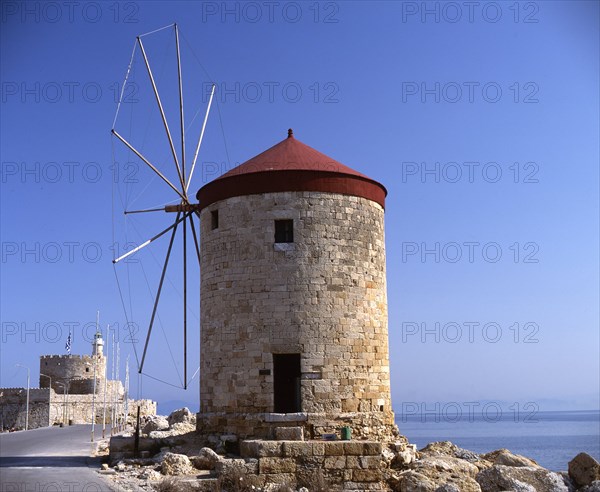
x=290 y=133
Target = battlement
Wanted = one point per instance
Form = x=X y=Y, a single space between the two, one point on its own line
x=78 y=372
x=69 y=357
x=34 y=393
x=24 y=389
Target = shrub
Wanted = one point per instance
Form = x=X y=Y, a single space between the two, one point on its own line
x=172 y=484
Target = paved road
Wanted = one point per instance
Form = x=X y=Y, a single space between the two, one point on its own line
x=51 y=459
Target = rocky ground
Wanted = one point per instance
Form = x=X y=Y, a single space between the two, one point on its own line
x=182 y=464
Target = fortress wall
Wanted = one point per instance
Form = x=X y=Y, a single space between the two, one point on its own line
x=47 y=407
x=77 y=371
x=147 y=407
x=79 y=409
x=13 y=404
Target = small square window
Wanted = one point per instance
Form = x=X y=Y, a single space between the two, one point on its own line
x=214 y=219
x=284 y=231
x=87 y=369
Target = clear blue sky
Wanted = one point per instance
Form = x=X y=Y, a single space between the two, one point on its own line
x=386 y=88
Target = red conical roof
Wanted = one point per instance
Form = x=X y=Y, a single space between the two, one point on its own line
x=291 y=154
x=291 y=165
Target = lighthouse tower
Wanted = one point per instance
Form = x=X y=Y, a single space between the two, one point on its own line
x=293 y=298
x=98 y=345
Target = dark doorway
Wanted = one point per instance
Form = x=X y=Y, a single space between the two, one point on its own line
x=286 y=376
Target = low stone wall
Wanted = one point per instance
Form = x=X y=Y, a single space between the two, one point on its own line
x=122 y=447
x=79 y=409
x=13 y=405
x=363 y=425
x=46 y=407
x=355 y=464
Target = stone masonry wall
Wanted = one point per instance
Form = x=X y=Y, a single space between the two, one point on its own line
x=322 y=296
x=46 y=407
x=79 y=409
x=13 y=404
x=77 y=371
x=356 y=465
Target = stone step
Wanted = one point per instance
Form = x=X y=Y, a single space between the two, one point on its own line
x=258 y=448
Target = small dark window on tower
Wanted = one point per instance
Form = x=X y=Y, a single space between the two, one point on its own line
x=214 y=219
x=87 y=369
x=284 y=231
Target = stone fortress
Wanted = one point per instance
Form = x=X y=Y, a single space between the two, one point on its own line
x=66 y=393
x=293 y=299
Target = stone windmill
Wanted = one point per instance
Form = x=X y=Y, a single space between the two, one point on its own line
x=293 y=291
x=293 y=298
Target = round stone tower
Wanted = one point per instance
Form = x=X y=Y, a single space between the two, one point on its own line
x=293 y=298
x=75 y=372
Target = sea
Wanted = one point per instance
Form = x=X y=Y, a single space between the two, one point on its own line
x=550 y=438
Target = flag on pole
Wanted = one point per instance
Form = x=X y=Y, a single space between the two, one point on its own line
x=68 y=344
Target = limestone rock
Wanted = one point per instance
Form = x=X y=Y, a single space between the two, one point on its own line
x=150 y=474
x=441 y=473
x=159 y=457
x=440 y=447
x=593 y=487
x=206 y=459
x=160 y=434
x=388 y=456
x=447 y=487
x=176 y=429
x=155 y=423
x=499 y=478
x=176 y=464
x=183 y=427
x=465 y=454
x=506 y=458
x=412 y=481
x=415 y=481
x=447 y=448
x=405 y=454
x=584 y=469
x=182 y=415
x=447 y=464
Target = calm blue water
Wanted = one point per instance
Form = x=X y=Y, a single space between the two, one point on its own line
x=550 y=438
